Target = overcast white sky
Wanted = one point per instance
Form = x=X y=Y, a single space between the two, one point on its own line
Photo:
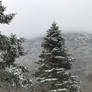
x=35 y=16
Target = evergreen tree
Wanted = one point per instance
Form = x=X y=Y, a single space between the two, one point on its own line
x=4 y=40
x=11 y=48
x=53 y=73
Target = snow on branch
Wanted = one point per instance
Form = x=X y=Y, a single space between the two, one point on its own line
x=49 y=79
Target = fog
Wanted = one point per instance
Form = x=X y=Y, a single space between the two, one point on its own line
x=33 y=17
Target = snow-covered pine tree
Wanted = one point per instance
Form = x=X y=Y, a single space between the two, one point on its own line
x=4 y=19
x=10 y=49
x=53 y=73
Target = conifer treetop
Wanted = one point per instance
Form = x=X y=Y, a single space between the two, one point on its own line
x=54 y=51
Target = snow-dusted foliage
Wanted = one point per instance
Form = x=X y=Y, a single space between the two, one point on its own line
x=18 y=76
x=60 y=80
x=10 y=48
x=53 y=74
x=5 y=19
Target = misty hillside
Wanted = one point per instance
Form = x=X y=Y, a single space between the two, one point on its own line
x=79 y=45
